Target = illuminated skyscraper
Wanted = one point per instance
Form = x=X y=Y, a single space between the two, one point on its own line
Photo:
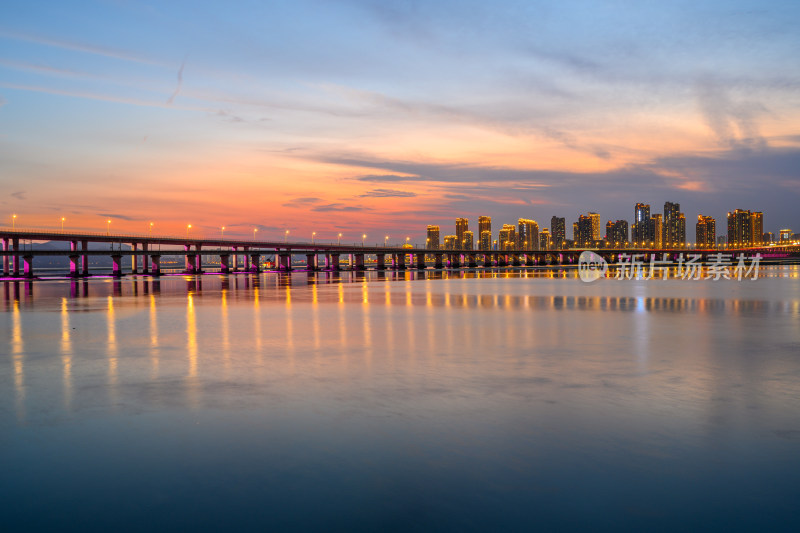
x=740 y=228
x=705 y=232
x=617 y=233
x=486 y=240
x=527 y=234
x=642 y=224
x=433 y=238
x=450 y=242
x=680 y=236
x=576 y=234
x=672 y=235
x=559 y=234
x=462 y=225
x=656 y=232
x=544 y=240
x=485 y=224
x=585 y=231
x=467 y=243
x=757 y=227
x=595 y=218
x=507 y=237
x=785 y=235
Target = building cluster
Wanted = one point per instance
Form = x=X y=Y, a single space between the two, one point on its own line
x=658 y=230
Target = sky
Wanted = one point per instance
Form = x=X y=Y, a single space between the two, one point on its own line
x=376 y=117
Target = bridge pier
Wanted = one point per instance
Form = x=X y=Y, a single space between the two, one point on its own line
x=116 y=271
x=145 y=269
x=359 y=262
x=15 y=258
x=223 y=263
x=27 y=261
x=380 y=262
x=420 y=257
x=472 y=261
x=255 y=263
x=311 y=262
x=437 y=261
x=285 y=262
x=515 y=260
x=74 y=266
x=332 y=262
x=5 y=257
x=155 y=264
x=84 y=259
x=134 y=258
x=502 y=260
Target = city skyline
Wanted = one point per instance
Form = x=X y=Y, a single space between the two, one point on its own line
x=362 y=115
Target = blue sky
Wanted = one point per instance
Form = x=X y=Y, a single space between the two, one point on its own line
x=385 y=116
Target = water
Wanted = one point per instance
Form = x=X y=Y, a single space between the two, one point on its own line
x=498 y=401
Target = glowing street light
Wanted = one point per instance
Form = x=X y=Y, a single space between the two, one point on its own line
x=150 y=230
x=254 y=233
x=286 y=236
x=362 y=239
x=313 y=234
x=223 y=233
x=385 y=240
x=188 y=227
x=339 y=239
x=13 y=222
x=108 y=227
x=62 y=223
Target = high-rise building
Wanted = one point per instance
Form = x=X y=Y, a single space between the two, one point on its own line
x=705 y=231
x=585 y=231
x=576 y=234
x=544 y=240
x=617 y=233
x=433 y=238
x=768 y=237
x=507 y=237
x=462 y=225
x=672 y=226
x=527 y=234
x=757 y=227
x=485 y=224
x=595 y=218
x=785 y=235
x=558 y=230
x=467 y=243
x=740 y=228
x=450 y=242
x=642 y=224
x=656 y=231
x=486 y=240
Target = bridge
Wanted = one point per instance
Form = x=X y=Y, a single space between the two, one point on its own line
x=145 y=253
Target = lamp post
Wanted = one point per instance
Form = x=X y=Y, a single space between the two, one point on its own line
x=108 y=227
x=223 y=233
x=339 y=239
x=150 y=230
x=62 y=223
x=286 y=237
x=254 y=233
x=385 y=240
x=364 y=236
x=13 y=222
x=313 y=234
x=188 y=227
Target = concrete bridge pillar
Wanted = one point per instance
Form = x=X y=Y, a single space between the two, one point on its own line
x=381 y=262
x=285 y=262
x=359 y=262
x=145 y=266
x=332 y=262
x=155 y=264
x=189 y=265
x=223 y=263
x=255 y=263
x=134 y=258
x=515 y=260
x=502 y=260
x=420 y=261
x=311 y=262
x=27 y=261
x=84 y=259
x=116 y=271
x=5 y=257
x=15 y=258
x=453 y=261
x=198 y=260
x=472 y=261
x=74 y=265
x=234 y=259
x=438 y=261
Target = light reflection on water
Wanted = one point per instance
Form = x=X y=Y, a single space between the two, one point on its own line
x=404 y=400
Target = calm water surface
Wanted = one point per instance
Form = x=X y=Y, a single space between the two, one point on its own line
x=513 y=401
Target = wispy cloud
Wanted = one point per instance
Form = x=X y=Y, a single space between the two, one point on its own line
x=180 y=83
x=388 y=193
x=339 y=207
x=19 y=195
x=117 y=216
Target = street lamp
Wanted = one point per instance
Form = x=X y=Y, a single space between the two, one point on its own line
x=188 y=227
x=385 y=240
x=364 y=236
x=286 y=236
x=313 y=234
x=108 y=227
x=408 y=239
x=339 y=239
x=254 y=233
x=62 y=223
x=13 y=222
x=223 y=233
x=150 y=230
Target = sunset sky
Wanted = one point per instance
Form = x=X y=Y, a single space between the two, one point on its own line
x=377 y=117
